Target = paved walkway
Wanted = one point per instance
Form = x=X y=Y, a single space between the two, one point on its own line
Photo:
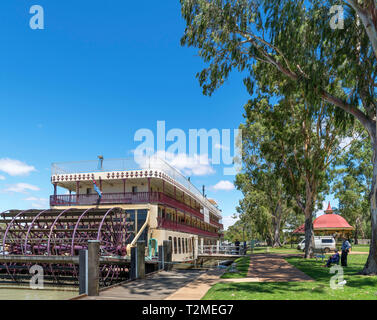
x=199 y=287
x=157 y=286
x=263 y=268
x=273 y=268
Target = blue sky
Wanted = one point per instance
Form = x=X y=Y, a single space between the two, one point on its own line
x=98 y=72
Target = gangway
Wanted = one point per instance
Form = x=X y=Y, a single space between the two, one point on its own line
x=221 y=251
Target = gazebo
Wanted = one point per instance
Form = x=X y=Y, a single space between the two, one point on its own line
x=328 y=224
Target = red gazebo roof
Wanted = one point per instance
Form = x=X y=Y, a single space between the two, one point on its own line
x=327 y=222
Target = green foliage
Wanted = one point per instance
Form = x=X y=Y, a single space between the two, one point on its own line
x=266 y=205
x=239 y=231
x=352 y=178
x=295 y=41
x=287 y=150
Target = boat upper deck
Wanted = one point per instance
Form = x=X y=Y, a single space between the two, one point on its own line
x=120 y=169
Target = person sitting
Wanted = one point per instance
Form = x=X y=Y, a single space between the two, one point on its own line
x=333 y=259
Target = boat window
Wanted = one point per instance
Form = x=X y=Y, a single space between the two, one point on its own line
x=186 y=246
x=179 y=245
x=183 y=245
x=134 y=189
x=172 y=245
x=175 y=245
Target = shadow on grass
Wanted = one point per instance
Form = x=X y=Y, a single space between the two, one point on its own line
x=351 y=273
x=356 y=287
x=362 y=281
x=315 y=269
x=276 y=288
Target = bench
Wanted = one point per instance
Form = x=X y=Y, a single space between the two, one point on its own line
x=319 y=254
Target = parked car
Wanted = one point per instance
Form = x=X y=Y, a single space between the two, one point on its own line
x=327 y=243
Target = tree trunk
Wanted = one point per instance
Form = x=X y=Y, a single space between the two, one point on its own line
x=309 y=237
x=276 y=221
x=357 y=227
x=308 y=211
x=370 y=267
x=277 y=236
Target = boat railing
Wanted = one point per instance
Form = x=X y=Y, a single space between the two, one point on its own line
x=137 y=163
x=222 y=249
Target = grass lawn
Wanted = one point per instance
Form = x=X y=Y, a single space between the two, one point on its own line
x=357 y=287
x=242 y=267
x=283 y=249
x=288 y=249
x=361 y=247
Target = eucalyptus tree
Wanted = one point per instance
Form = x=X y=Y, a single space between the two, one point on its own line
x=265 y=205
x=352 y=174
x=298 y=40
x=301 y=142
x=238 y=231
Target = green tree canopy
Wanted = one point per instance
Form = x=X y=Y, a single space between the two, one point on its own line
x=296 y=39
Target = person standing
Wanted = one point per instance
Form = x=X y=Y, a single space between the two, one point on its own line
x=346 y=246
x=96 y=189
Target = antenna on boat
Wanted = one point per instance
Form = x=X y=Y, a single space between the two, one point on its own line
x=100 y=162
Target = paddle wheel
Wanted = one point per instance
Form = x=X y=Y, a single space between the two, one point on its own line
x=54 y=232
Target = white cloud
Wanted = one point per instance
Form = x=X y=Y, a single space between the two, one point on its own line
x=221 y=147
x=228 y=221
x=196 y=165
x=38 y=203
x=15 y=167
x=322 y=211
x=224 y=185
x=2 y=177
x=21 y=188
x=345 y=143
x=31 y=199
